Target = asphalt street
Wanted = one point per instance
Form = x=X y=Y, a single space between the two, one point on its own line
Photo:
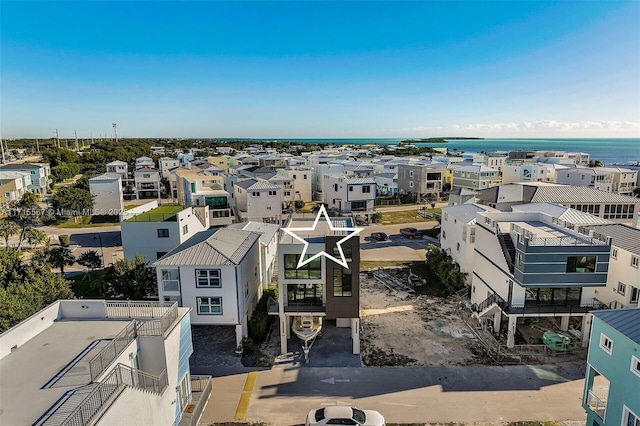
x=283 y=396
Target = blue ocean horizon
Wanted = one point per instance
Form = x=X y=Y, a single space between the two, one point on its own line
x=619 y=151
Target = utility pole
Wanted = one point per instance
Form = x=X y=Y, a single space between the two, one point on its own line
x=58 y=138
x=38 y=145
x=75 y=132
x=115 y=131
x=2 y=148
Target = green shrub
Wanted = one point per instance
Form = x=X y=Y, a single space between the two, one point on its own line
x=259 y=322
x=299 y=204
x=64 y=240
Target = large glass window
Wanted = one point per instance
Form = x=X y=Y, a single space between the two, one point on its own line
x=341 y=281
x=310 y=271
x=304 y=294
x=581 y=264
x=216 y=202
x=555 y=296
x=208 y=278
x=209 y=305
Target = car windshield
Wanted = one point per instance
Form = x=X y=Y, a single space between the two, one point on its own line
x=358 y=415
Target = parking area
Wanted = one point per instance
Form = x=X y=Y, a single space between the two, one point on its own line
x=397 y=247
x=214 y=350
x=332 y=348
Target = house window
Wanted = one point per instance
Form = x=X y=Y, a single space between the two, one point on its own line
x=366 y=189
x=255 y=194
x=581 y=264
x=341 y=281
x=146 y=176
x=629 y=418
x=209 y=305
x=304 y=176
x=159 y=254
x=185 y=229
x=606 y=343
x=635 y=365
x=304 y=294
x=350 y=188
x=163 y=233
x=458 y=247
x=410 y=184
x=622 y=288
x=519 y=258
x=287 y=193
x=614 y=252
x=635 y=261
x=411 y=173
x=310 y=271
x=272 y=192
x=208 y=278
x=335 y=187
x=635 y=295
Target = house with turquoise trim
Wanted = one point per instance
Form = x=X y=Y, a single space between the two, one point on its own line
x=612 y=380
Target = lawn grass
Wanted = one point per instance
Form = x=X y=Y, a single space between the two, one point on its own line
x=406 y=216
x=88 y=222
x=86 y=288
x=159 y=214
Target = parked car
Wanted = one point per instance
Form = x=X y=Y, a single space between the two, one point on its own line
x=287 y=211
x=558 y=341
x=379 y=236
x=410 y=233
x=340 y=415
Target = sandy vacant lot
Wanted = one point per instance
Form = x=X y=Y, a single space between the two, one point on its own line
x=403 y=329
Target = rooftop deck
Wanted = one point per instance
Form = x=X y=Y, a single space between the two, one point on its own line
x=158 y=214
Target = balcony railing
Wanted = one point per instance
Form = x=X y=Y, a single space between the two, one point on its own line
x=171 y=285
x=597 y=400
x=565 y=241
x=120 y=376
x=201 y=390
x=154 y=318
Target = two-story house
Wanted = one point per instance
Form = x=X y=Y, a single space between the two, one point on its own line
x=531 y=264
x=301 y=182
x=144 y=163
x=147 y=182
x=600 y=179
x=40 y=175
x=166 y=164
x=257 y=201
x=152 y=231
x=217 y=274
x=98 y=362
x=475 y=177
x=350 y=195
x=624 y=180
x=199 y=188
x=612 y=380
x=422 y=181
x=521 y=172
x=13 y=185
x=269 y=237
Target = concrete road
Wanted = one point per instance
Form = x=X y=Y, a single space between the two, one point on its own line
x=283 y=396
x=399 y=247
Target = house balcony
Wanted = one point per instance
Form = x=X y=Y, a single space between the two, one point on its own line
x=171 y=285
x=597 y=400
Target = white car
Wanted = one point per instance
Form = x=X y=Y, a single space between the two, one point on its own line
x=336 y=415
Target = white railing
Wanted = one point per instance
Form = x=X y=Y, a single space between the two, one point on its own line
x=564 y=241
x=128 y=309
x=99 y=363
x=597 y=400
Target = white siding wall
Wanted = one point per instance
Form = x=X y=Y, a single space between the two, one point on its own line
x=107 y=196
x=620 y=271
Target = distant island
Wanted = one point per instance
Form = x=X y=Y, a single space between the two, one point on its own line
x=437 y=140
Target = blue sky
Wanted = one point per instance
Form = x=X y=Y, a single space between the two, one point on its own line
x=320 y=69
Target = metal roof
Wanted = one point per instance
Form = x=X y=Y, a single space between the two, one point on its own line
x=106 y=176
x=626 y=321
x=211 y=248
x=266 y=230
x=561 y=212
x=622 y=236
x=577 y=194
x=359 y=181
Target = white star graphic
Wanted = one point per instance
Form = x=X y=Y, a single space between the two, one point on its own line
x=323 y=212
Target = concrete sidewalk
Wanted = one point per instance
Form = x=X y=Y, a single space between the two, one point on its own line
x=461 y=394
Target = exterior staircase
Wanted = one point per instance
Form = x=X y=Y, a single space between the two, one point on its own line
x=490 y=303
x=508 y=249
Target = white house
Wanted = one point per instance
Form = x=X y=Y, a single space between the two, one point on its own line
x=98 y=362
x=623 y=279
x=106 y=190
x=165 y=164
x=268 y=246
x=40 y=174
x=600 y=179
x=257 y=201
x=521 y=172
x=624 y=180
x=13 y=185
x=475 y=177
x=147 y=183
x=152 y=231
x=350 y=195
x=197 y=187
x=144 y=162
x=320 y=173
x=301 y=178
x=119 y=167
x=458 y=234
x=217 y=274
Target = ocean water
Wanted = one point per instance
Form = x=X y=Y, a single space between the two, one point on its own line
x=607 y=150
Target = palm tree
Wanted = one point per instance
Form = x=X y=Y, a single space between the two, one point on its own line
x=61 y=257
x=35 y=236
x=7 y=229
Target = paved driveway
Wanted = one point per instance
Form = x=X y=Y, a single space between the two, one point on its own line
x=214 y=351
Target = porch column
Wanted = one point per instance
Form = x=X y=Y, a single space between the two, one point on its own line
x=497 y=319
x=511 y=332
x=355 y=335
x=283 y=334
x=564 y=323
x=586 y=329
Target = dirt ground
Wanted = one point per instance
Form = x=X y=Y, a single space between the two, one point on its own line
x=404 y=329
